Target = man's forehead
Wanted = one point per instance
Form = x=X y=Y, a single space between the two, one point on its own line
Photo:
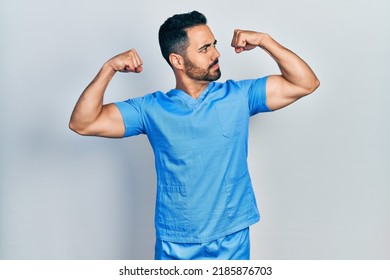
x=200 y=35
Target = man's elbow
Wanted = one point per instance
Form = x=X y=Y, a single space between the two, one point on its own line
x=312 y=86
x=315 y=84
x=77 y=129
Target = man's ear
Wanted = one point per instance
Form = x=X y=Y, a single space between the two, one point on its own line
x=177 y=61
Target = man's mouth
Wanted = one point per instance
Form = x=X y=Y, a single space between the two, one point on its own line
x=213 y=64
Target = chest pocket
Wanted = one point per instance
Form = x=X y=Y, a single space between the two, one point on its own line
x=231 y=117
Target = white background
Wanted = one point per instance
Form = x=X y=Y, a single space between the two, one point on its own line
x=320 y=167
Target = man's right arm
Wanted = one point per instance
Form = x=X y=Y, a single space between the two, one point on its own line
x=90 y=116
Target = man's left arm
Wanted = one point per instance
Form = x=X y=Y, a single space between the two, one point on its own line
x=297 y=78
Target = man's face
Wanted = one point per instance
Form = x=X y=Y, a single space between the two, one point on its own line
x=201 y=60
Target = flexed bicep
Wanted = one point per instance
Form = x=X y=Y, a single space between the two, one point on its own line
x=281 y=93
x=90 y=117
x=108 y=124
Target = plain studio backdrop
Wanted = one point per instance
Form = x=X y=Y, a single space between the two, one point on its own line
x=320 y=168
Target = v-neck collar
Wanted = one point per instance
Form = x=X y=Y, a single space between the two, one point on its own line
x=189 y=99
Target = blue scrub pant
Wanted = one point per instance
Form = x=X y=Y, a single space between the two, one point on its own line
x=235 y=246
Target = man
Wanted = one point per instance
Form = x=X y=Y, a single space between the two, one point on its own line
x=199 y=134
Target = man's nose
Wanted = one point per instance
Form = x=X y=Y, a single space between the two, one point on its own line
x=216 y=54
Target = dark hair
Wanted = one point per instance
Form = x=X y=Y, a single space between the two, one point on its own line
x=172 y=35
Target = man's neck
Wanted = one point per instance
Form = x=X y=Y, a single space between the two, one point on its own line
x=192 y=88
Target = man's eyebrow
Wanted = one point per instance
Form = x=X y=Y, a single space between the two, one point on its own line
x=205 y=46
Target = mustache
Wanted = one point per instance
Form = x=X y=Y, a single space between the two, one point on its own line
x=214 y=63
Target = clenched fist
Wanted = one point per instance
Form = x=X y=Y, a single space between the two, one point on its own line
x=244 y=40
x=128 y=61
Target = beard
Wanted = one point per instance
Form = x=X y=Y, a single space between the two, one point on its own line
x=200 y=74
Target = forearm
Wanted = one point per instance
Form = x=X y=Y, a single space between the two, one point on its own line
x=292 y=67
x=90 y=103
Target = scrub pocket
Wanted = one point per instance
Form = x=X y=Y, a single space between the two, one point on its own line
x=230 y=117
x=240 y=196
x=171 y=208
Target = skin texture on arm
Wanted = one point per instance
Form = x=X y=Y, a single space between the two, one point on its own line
x=297 y=78
x=90 y=117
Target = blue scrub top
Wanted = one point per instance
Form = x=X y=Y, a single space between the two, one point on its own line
x=204 y=191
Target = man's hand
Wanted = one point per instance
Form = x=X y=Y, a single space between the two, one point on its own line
x=244 y=40
x=128 y=61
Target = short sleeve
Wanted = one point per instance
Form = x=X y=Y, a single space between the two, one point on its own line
x=131 y=111
x=256 y=95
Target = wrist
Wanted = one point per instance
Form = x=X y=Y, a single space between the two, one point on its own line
x=109 y=67
x=264 y=40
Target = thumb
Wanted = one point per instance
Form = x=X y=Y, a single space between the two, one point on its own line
x=239 y=49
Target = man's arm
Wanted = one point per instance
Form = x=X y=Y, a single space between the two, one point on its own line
x=297 y=79
x=90 y=116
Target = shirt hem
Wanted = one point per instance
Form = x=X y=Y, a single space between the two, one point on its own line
x=210 y=238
